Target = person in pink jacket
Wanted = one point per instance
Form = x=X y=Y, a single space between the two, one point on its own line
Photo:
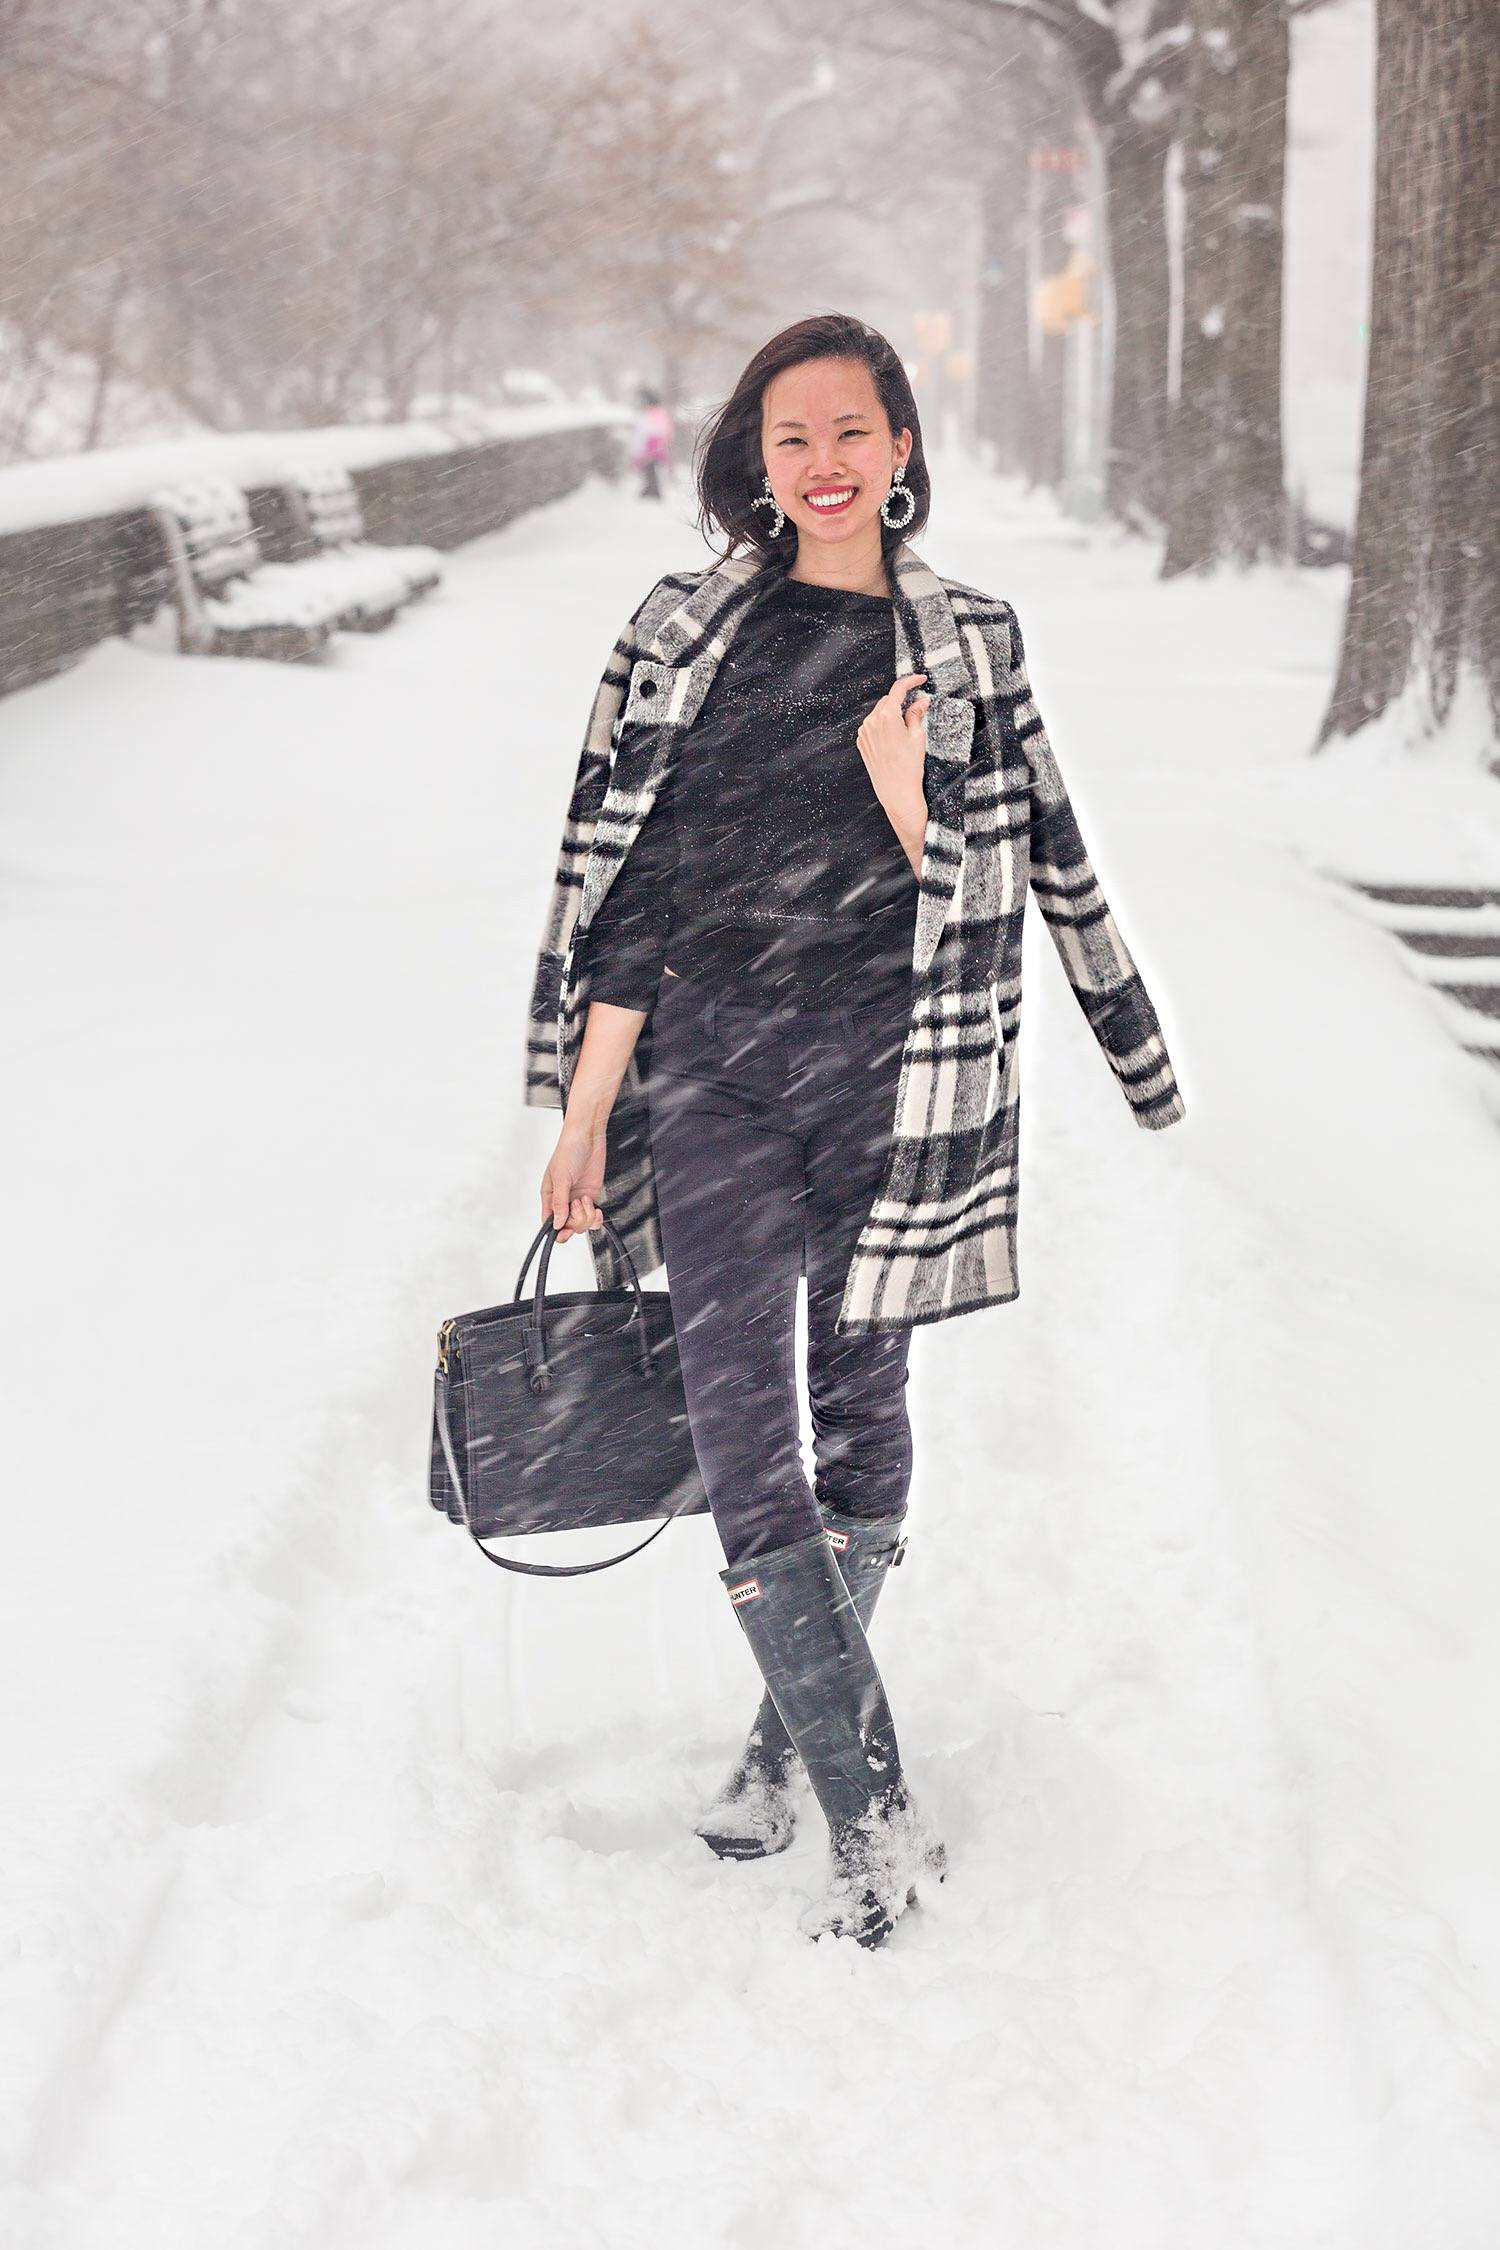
x=651 y=443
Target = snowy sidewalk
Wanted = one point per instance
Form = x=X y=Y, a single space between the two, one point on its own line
x=354 y=1891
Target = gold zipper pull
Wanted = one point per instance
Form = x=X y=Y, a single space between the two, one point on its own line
x=442 y=1349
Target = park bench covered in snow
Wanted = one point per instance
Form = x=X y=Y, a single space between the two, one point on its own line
x=229 y=600
x=232 y=602
x=326 y=506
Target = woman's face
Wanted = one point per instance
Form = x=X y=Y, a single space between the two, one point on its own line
x=824 y=436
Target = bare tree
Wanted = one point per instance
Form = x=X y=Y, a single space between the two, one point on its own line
x=1214 y=73
x=647 y=228
x=312 y=210
x=1127 y=59
x=1424 y=594
x=1225 y=483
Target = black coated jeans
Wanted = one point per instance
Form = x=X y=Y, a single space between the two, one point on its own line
x=770 y=1130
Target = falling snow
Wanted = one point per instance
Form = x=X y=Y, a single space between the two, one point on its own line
x=356 y=1897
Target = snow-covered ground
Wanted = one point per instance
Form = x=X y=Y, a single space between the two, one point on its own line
x=350 y=1891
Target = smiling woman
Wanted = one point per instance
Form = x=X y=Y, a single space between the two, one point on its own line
x=833 y=458
x=814 y=777
x=780 y=867
x=822 y=433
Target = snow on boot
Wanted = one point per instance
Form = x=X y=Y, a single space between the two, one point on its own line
x=806 y=1636
x=755 y=1813
x=876 y=1863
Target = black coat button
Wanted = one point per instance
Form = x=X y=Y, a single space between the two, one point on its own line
x=646 y=690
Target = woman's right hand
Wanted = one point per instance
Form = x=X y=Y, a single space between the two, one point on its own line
x=574 y=1180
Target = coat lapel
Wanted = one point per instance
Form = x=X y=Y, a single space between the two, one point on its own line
x=668 y=685
x=927 y=640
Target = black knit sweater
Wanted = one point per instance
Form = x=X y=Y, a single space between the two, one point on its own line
x=767 y=868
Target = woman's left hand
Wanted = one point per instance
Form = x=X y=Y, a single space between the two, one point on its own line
x=894 y=747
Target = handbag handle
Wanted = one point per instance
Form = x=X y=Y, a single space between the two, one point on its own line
x=547 y=1231
x=534 y=1334
x=445 y=1436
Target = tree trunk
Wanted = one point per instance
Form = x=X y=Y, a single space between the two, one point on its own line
x=104 y=360
x=1004 y=370
x=1258 y=523
x=1049 y=193
x=1424 y=591
x=1135 y=204
x=1196 y=511
x=1224 y=476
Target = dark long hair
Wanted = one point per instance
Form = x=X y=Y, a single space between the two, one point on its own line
x=730 y=466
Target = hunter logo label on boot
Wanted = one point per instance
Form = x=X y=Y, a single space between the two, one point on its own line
x=837 y=1540
x=748 y=1590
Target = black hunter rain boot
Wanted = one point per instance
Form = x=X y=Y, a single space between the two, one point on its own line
x=805 y=1634
x=755 y=1813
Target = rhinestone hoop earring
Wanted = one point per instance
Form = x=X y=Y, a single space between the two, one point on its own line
x=898 y=491
x=768 y=499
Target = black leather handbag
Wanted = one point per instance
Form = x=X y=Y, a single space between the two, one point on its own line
x=560 y=1413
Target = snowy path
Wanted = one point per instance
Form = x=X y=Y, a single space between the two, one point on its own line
x=357 y=1899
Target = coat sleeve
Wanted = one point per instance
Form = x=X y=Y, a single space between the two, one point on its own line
x=543 y=1089
x=1094 y=955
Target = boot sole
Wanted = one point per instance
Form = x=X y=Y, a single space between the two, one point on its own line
x=742 y=1847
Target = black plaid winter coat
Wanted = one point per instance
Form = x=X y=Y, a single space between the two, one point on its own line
x=940 y=1236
